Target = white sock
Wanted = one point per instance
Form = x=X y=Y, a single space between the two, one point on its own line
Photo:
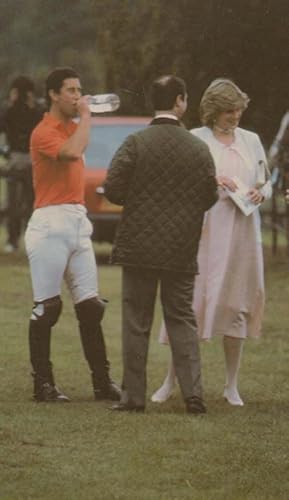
x=233 y=351
x=166 y=390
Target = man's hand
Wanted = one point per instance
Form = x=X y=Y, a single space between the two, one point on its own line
x=82 y=106
x=74 y=147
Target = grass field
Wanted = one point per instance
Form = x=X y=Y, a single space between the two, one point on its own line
x=84 y=451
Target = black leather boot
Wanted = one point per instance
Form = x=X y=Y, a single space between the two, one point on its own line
x=89 y=314
x=45 y=391
x=105 y=388
x=39 y=345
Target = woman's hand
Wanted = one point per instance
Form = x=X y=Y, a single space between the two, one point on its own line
x=226 y=182
x=255 y=196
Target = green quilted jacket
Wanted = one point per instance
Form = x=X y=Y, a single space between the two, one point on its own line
x=165 y=179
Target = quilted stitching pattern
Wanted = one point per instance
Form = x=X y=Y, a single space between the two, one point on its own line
x=165 y=178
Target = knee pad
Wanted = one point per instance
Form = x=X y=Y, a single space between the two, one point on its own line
x=47 y=311
x=90 y=310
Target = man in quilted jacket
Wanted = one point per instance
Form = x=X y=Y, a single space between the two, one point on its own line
x=165 y=179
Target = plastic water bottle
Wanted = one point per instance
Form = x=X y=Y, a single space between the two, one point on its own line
x=103 y=103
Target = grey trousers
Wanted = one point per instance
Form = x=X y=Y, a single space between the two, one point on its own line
x=138 y=301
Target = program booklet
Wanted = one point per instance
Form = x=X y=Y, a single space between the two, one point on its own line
x=240 y=197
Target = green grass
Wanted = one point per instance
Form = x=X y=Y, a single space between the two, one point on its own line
x=84 y=451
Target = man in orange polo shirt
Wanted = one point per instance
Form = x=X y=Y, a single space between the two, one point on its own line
x=58 y=240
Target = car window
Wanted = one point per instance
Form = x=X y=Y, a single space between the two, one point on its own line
x=104 y=141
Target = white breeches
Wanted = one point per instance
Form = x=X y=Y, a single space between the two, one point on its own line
x=58 y=246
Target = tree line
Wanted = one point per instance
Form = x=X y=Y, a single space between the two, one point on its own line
x=121 y=45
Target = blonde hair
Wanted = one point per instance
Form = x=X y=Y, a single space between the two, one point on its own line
x=221 y=95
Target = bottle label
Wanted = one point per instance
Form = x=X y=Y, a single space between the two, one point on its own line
x=103 y=103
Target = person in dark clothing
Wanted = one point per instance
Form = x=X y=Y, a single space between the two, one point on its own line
x=19 y=119
x=165 y=179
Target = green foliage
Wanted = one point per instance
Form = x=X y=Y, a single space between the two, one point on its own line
x=121 y=45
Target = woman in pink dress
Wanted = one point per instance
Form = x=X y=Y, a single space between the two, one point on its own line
x=229 y=290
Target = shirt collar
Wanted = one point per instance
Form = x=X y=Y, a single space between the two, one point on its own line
x=54 y=122
x=238 y=146
x=166 y=115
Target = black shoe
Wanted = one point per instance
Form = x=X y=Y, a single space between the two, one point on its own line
x=195 y=406
x=127 y=407
x=50 y=393
x=109 y=391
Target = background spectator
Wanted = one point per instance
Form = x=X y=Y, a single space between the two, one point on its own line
x=21 y=115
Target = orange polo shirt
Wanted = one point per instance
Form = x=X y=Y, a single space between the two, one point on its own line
x=55 y=182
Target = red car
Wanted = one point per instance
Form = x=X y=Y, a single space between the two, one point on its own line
x=107 y=134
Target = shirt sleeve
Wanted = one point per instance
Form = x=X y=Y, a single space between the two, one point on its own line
x=264 y=173
x=209 y=183
x=120 y=172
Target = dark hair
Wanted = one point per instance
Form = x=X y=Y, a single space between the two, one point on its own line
x=55 y=80
x=23 y=84
x=164 y=91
